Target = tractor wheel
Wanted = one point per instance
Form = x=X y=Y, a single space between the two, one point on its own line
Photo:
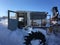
x=35 y=36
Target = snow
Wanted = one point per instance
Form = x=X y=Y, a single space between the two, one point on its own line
x=29 y=29
x=35 y=42
x=16 y=37
x=8 y=37
x=53 y=40
x=4 y=22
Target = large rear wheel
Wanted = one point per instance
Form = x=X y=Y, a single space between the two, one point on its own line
x=35 y=36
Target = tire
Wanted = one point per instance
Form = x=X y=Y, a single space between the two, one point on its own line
x=35 y=36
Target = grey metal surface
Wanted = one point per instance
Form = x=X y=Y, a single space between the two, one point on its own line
x=38 y=15
x=58 y=16
x=12 y=24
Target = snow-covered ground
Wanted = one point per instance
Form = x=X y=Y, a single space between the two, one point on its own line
x=16 y=37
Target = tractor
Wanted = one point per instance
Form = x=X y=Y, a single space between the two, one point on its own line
x=34 y=22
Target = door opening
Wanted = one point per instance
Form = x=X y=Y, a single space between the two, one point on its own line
x=22 y=20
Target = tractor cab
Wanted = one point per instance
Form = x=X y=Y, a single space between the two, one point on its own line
x=26 y=18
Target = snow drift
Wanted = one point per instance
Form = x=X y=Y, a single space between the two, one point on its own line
x=16 y=37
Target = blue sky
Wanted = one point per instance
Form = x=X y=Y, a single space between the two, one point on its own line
x=28 y=5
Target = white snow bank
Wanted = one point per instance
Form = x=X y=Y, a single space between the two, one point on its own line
x=4 y=22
